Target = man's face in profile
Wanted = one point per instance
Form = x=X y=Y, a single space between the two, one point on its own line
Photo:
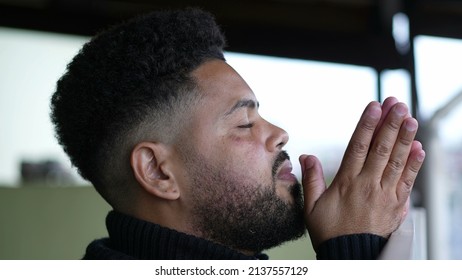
x=240 y=186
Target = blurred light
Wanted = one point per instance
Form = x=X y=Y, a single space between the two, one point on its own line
x=401 y=32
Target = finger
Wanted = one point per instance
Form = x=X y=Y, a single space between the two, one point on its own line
x=400 y=153
x=384 y=142
x=313 y=181
x=413 y=165
x=358 y=147
x=406 y=209
x=386 y=107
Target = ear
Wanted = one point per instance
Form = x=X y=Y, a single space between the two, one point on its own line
x=149 y=162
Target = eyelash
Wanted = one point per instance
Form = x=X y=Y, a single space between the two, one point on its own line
x=249 y=125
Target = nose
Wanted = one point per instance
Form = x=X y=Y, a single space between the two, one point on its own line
x=277 y=138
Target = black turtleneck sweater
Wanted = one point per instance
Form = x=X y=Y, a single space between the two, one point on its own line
x=131 y=238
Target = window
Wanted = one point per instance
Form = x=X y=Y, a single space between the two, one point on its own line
x=317 y=103
x=439 y=65
x=31 y=63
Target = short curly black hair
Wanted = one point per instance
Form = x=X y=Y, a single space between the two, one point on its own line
x=135 y=74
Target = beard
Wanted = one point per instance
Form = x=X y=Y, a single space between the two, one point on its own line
x=244 y=216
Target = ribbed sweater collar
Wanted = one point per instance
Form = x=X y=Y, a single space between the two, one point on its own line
x=144 y=240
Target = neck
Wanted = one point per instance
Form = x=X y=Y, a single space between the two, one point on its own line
x=145 y=240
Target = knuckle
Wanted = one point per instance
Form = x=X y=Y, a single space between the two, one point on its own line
x=405 y=141
x=394 y=125
x=408 y=183
x=359 y=148
x=343 y=185
x=414 y=168
x=395 y=165
x=369 y=125
x=382 y=149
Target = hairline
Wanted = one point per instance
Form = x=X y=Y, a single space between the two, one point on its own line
x=166 y=125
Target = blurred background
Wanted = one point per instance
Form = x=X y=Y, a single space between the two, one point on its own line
x=313 y=64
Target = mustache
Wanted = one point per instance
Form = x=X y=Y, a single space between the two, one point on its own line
x=281 y=157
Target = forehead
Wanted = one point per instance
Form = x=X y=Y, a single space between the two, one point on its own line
x=219 y=83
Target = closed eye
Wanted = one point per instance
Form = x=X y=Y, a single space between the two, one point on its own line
x=249 y=125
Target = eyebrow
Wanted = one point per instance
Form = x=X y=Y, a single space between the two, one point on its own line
x=243 y=103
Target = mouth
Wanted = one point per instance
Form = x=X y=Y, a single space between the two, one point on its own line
x=285 y=172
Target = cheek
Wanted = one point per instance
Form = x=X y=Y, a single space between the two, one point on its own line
x=245 y=144
x=248 y=162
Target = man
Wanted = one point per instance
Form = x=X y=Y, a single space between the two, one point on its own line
x=169 y=134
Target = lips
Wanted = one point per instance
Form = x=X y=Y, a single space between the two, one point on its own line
x=285 y=172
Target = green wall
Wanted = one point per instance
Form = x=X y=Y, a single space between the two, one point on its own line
x=58 y=223
x=49 y=223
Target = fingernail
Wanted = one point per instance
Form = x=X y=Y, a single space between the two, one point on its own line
x=401 y=109
x=309 y=163
x=375 y=111
x=411 y=125
x=421 y=156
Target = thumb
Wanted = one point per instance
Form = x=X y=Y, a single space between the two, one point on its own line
x=313 y=181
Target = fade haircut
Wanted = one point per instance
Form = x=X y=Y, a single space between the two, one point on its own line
x=129 y=84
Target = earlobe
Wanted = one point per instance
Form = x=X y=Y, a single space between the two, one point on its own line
x=150 y=168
